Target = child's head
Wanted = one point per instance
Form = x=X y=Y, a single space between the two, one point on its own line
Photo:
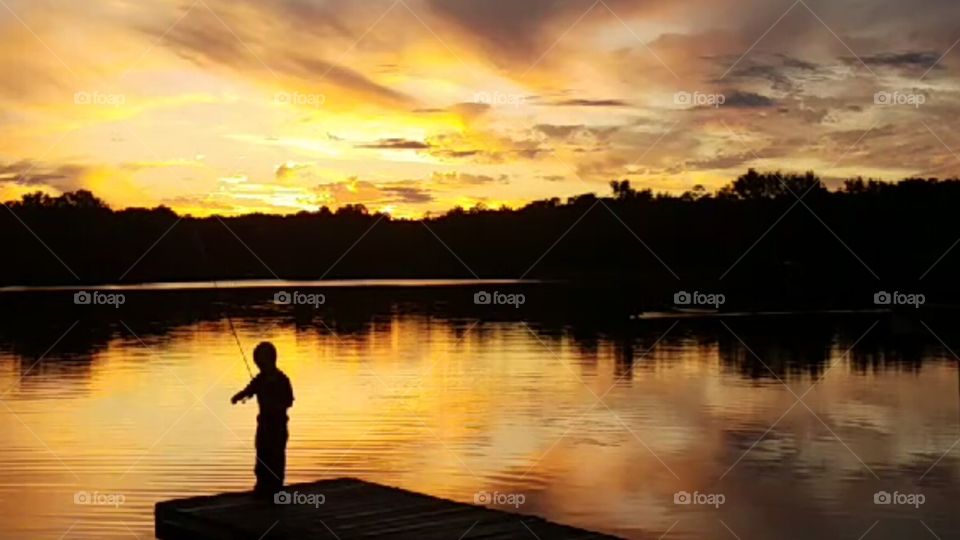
x=265 y=356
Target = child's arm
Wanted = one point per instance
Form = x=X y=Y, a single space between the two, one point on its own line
x=246 y=393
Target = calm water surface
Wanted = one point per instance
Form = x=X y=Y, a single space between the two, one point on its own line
x=595 y=425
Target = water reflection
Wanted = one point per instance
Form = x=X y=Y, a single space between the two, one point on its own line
x=598 y=424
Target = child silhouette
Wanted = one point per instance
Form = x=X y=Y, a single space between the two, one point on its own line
x=274 y=396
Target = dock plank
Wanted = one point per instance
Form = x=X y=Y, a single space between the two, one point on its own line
x=351 y=509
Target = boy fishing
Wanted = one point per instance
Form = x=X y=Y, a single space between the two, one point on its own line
x=274 y=396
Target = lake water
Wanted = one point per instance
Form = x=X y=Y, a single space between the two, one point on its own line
x=587 y=418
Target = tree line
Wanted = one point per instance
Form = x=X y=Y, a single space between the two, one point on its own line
x=770 y=234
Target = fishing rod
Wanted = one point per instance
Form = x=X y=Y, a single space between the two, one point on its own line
x=216 y=286
x=236 y=337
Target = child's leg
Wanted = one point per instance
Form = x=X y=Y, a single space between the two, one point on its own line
x=281 y=457
x=258 y=469
x=271 y=458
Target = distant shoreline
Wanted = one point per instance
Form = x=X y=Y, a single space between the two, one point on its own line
x=269 y=284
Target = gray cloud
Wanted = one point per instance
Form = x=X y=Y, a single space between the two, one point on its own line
x=240 y=42
x=506 y=25
x=592 y=103
x=747 y=100
x=916 y=60
x=396 y=144
x=411 y=195
x=27 y=173
x=559 y=132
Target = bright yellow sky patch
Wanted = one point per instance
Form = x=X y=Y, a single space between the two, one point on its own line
x=421 y=106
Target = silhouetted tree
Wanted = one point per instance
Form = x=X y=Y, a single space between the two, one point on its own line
x=754 y=185
x=744 y=233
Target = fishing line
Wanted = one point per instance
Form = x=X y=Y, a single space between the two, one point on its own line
x=236 y=337
x=223 y=312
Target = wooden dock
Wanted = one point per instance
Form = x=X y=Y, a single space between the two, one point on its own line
x=347 y=508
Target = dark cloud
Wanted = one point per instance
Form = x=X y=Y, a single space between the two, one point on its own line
x=28 y=173
x=747 y=100
x=533 y=152
x=797 y=63
x=592 y=103
x=908 y=60
x=396 y=144
x=723 y=161
x=456 y=153
x=523 y=30
x=773 y=74
x=498 y=149
x=559 y=132
x=783 y=73
x=355 y=191
x=411 y=195
x=506 y=25
x=18 y=172
x=236 y=44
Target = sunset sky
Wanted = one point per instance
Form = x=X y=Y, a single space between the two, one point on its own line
x=415 y=106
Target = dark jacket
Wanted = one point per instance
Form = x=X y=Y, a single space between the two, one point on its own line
x=274 y=394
